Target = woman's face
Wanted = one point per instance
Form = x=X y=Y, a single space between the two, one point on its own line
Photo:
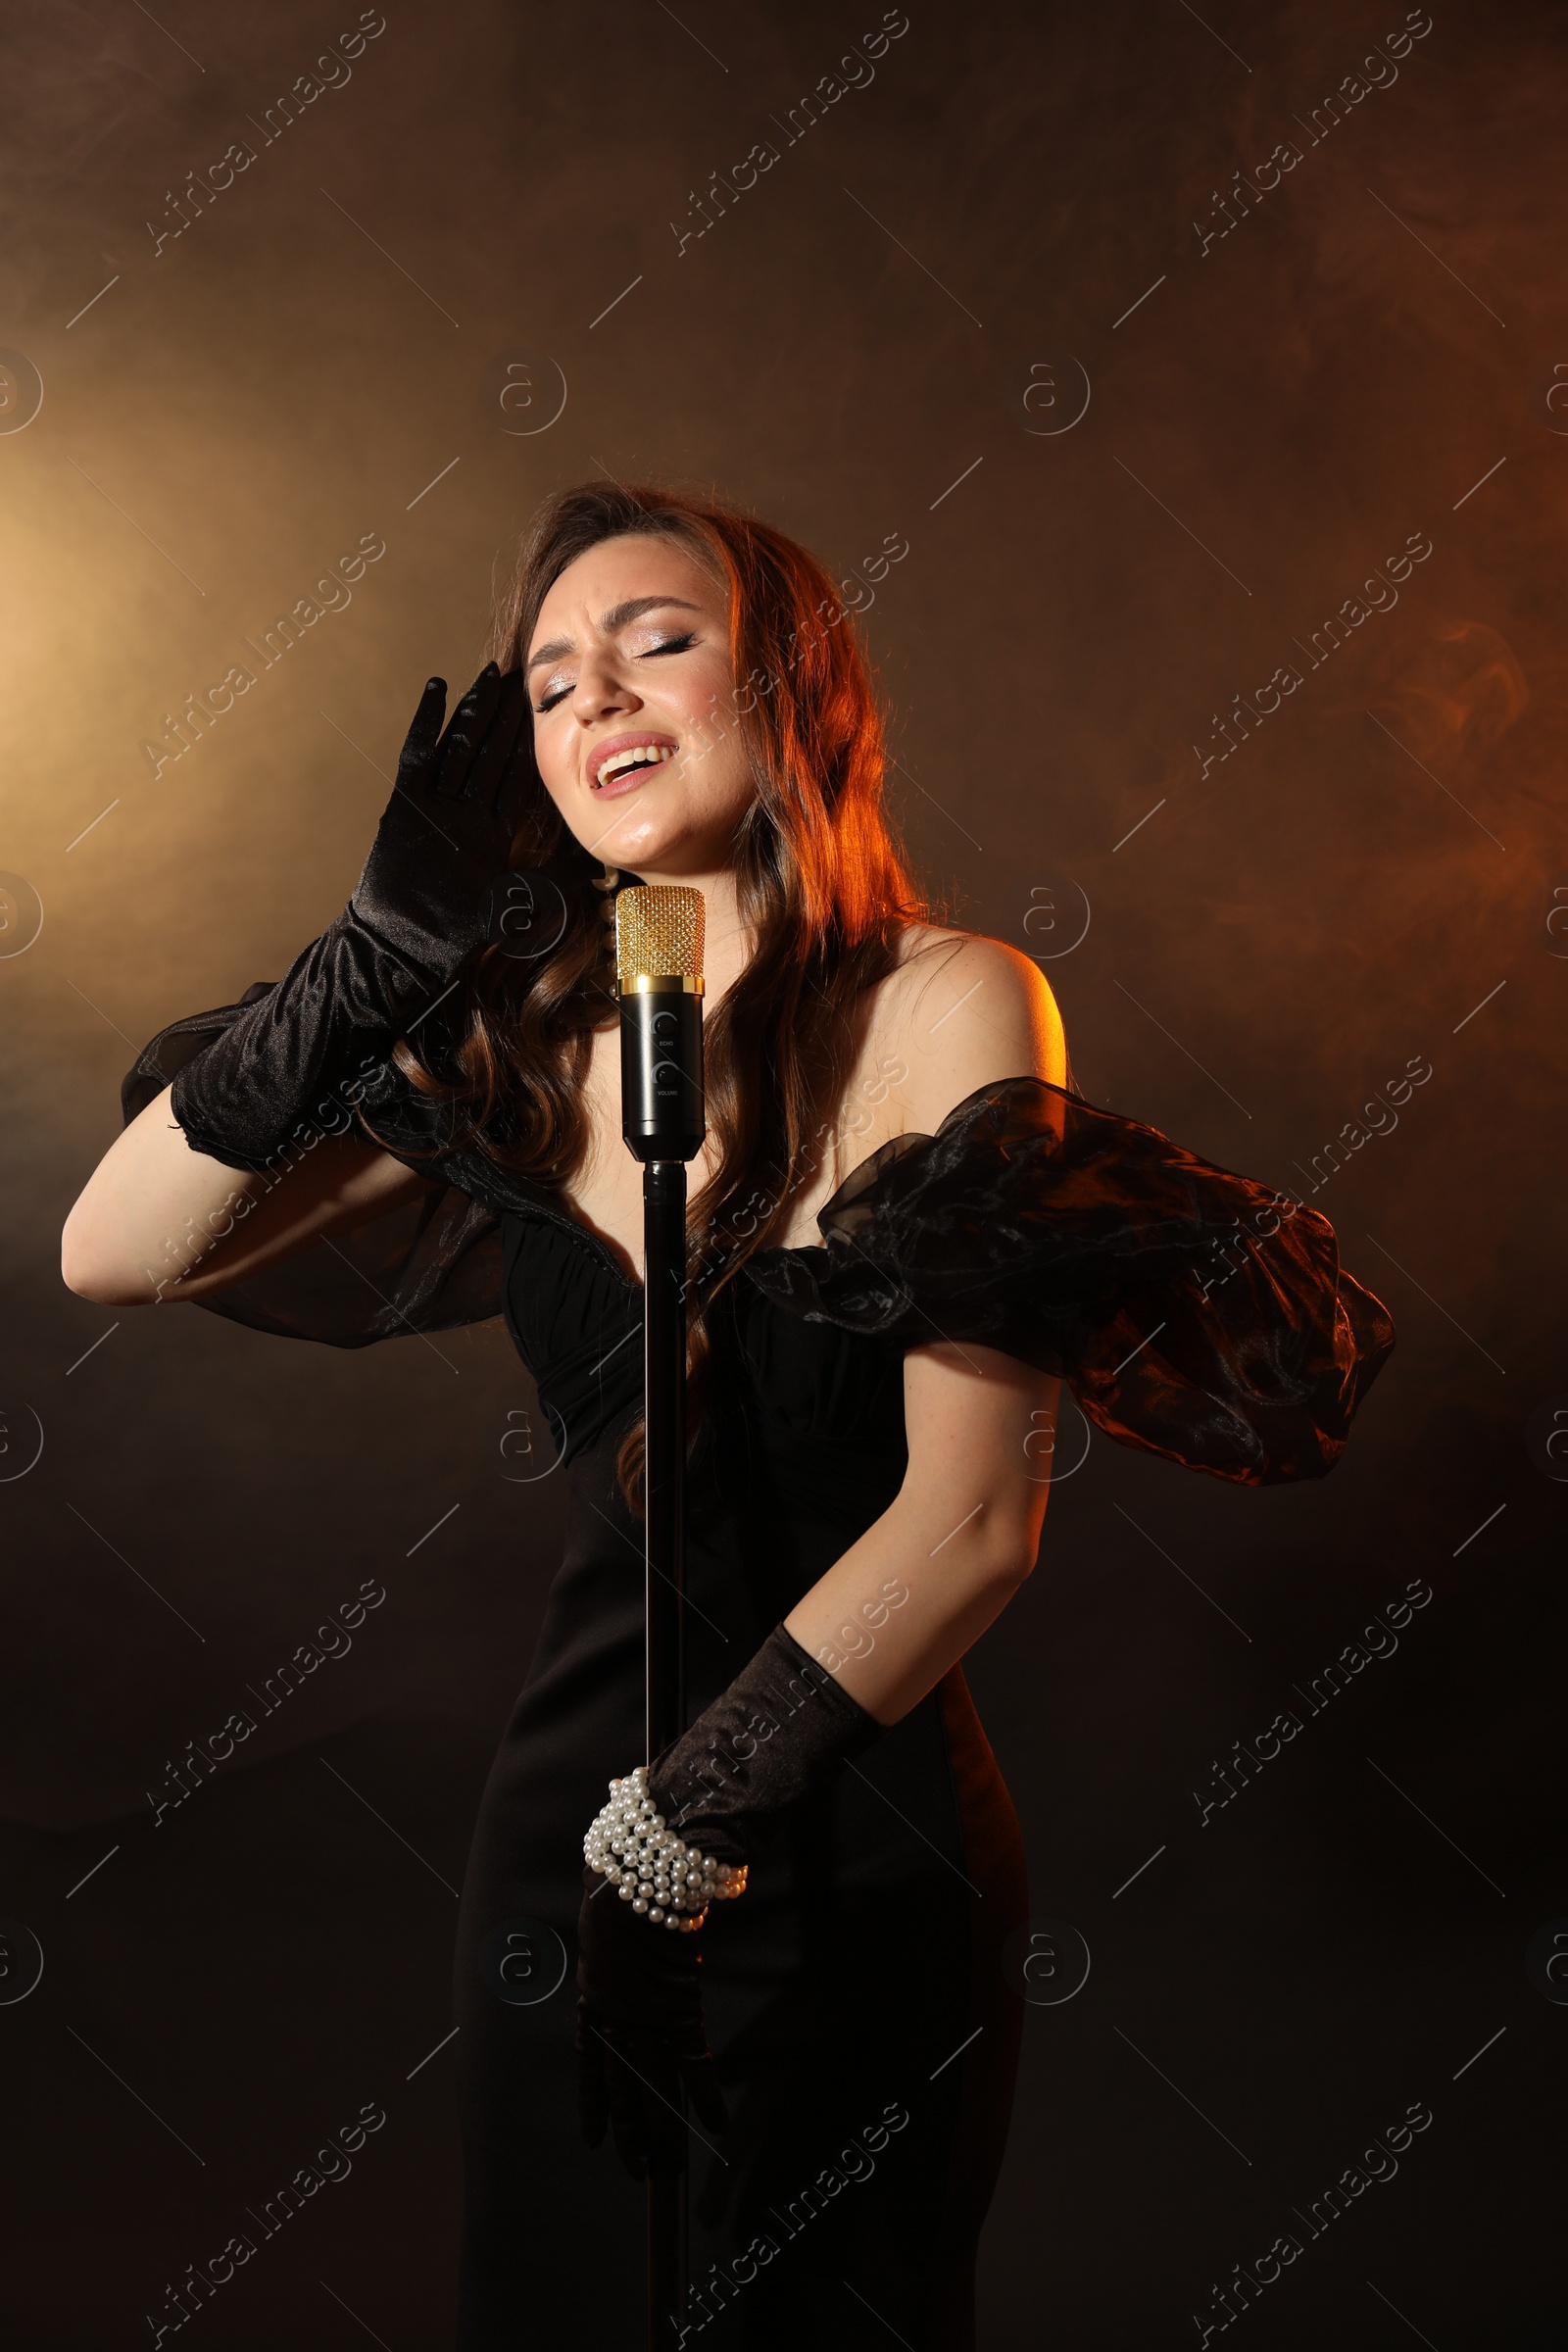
x=634 y=717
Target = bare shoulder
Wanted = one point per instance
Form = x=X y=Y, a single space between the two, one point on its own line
x=961 y=1012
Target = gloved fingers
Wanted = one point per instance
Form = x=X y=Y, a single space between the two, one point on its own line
x=453 y=756
x=424 y=733
x=669 y=2151
x=647 y=2119
x=627 y=2115
x=512 y=712
x=706 y=2090
x=662 y=2110
x=593 y=2091
x=517 y=783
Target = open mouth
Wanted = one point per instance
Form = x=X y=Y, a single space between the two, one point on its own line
x=622 y=766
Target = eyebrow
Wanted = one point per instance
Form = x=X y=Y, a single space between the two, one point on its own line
x=618 y=617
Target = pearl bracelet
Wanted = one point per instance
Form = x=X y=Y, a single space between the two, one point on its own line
x=658 y=1873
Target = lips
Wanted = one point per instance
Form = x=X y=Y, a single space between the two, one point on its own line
x=621 y=762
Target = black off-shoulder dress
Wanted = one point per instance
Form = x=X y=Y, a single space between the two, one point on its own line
x=858 y=1998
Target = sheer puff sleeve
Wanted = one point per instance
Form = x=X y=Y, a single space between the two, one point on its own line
x=429 y=1264
x=1195 y=1313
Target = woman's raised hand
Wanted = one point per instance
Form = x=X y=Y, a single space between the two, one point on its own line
x=277 y=1070
x=446 y=836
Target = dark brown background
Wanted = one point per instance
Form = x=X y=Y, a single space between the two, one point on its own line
x=1276 y=941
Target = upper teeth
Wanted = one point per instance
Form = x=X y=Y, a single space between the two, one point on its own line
x=635 y=755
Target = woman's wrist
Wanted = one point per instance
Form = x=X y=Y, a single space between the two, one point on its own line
x=293 y=1055
x=679 y=1834
x=658 y=1873
x=783 y=1730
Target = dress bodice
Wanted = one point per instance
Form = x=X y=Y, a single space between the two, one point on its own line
x=810 y=1409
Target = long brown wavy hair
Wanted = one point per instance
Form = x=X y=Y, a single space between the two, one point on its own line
x=821 y=881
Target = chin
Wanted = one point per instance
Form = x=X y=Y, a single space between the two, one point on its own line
x=636 y=840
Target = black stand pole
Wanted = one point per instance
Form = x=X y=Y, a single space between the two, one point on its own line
x=664 y=1487
x=658 y=960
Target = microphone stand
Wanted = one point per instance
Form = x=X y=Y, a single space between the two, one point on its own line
x=664 y=1663
x=663 y=1122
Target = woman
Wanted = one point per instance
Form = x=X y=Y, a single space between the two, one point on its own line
x=678 y=697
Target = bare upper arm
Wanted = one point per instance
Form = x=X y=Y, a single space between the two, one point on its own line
x=968 y=1011
x=157 y=1220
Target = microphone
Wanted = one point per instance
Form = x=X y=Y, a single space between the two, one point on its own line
x=658 y=970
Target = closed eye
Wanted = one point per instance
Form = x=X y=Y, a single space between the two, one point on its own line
x=671 y=645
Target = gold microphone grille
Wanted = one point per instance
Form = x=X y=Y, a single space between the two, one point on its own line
x=659 y=932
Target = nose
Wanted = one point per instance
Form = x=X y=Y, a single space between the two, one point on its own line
x=603 y=689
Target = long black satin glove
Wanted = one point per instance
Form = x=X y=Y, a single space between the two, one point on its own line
x=640 y=2033
x=783 y=1730
x=286 y=1067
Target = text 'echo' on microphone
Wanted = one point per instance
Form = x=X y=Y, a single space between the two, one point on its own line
x=659 y=969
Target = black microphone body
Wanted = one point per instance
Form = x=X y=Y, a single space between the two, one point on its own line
x=661 y=1099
